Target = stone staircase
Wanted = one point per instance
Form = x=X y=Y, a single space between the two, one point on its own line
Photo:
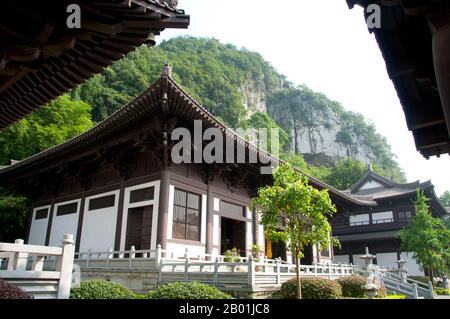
x=413 y=289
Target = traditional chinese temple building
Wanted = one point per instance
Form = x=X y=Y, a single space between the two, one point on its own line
x=116 y=186
x=376 y=226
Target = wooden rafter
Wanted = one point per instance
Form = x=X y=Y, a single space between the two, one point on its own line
x=46 y=59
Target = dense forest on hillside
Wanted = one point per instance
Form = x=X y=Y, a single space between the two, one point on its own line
x=238 y=86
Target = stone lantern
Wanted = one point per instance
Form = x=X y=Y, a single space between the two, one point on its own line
x=368 y=259
x=369 y=272
x=403 y=272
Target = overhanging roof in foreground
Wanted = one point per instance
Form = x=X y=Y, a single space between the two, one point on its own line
x=408 y=29
x=41 y=58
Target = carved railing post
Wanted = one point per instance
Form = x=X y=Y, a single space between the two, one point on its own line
x=251 y=272
x=66 y=267
x=20 y=261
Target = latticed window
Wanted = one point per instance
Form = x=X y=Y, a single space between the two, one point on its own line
x=186 y=215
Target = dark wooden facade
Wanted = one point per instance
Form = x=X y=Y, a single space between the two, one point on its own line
x=41 y=57
x=376 y=227
x=414 y=38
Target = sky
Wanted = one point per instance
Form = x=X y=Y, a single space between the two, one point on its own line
x=327 y=46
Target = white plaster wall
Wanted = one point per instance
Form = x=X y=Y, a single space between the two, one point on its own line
x=170 y=213
x=249 y=213
x=387 y=260
x=357 y=260
x=411 y=265
x=65 y=224
x=248 y=237
x=38 y=228
x=216 y=230
x=177 y=250
x=371 y=184
x=99 y=226
x=289 y=258
x=343 y=259
x=203 y=219
x=216 y=204
x=261 y=240
x=127 y=205
x=314 y=254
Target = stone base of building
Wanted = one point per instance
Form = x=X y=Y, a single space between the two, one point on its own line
x=136 y=280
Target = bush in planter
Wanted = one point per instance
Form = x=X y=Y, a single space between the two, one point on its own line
x=8 y=291
x=353 y=286
x=101 y=289
x=232 y=255
x=312 y=288
x=187 y=290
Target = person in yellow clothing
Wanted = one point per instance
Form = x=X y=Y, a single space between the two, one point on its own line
x=269 y=248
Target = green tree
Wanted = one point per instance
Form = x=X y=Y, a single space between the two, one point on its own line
x=427 y=238
x=60 y=120
x=261 y=120
x=346 y=173
x=445 y=199
x=297 y=161
x=13 y=216
x=300 y=209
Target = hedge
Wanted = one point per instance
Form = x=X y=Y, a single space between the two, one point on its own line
x=353 y=286
x=442 y=292
x=187 y=290
x=101 y=289
x=394 y=297
x=312 y=288
x=8 y=291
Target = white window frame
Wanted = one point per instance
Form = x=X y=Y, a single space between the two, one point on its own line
x=127 y=205
x=88 y=199
x=359 y=223
x=387 y=220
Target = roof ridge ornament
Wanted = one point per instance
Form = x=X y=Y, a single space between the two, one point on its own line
x=166 y=71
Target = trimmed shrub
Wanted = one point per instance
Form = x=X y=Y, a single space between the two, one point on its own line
x=394 y=297
x=101 y=289
x=381 y=291
x=442 y=292
x=353 y=286
x=8 y=291
x=187 y=290
x=312 y=288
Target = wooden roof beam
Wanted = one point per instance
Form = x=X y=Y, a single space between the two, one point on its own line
x=21 y=53
x=109 y=29
x=56 y=47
